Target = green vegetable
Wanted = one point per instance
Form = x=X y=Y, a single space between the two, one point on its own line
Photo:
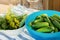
x=40 y=24
x=46 y=18
x=4 y=26
x=45 y=30
x=44 y=15
x=23 y=20
x=39 y=19
x=56 y=16
x=46 y=24
x=56 y=19
x=56 y=29
x=55 y=23
x=11 y=21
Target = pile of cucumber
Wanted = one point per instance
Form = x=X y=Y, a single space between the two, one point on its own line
x=46 y=24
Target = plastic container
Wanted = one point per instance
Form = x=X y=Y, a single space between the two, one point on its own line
x=39 y=35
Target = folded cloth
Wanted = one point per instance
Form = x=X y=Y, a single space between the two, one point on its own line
x=24 y=35
x=22 y=10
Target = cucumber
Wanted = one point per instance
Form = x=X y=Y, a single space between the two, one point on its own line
x=44 y=30
x=44 y=15
x=56 y=30
x=23 y=20
x=38 y=19
x=55 y=23
x=56 y=16
x=46 y=18
x=40 y=24
x=56 y=19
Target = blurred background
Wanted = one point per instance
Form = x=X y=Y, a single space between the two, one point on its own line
x=34 y=4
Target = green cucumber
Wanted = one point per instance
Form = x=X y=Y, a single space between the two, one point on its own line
x=56 y=23
x=56 y=16
x=46 y=18
x=23 y=20
x=56 y=19
x=44 y=30
x=56 y=29
x=38 y=19
x=40 y=24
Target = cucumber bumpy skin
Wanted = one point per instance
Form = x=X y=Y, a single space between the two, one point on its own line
x=55 y=23
x=56 y=16
x=56 y=19
x=45 y=30
x=38 y=19
x=46 y=18
x=40 y=24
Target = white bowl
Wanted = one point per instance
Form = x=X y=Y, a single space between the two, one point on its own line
x=11 y=32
